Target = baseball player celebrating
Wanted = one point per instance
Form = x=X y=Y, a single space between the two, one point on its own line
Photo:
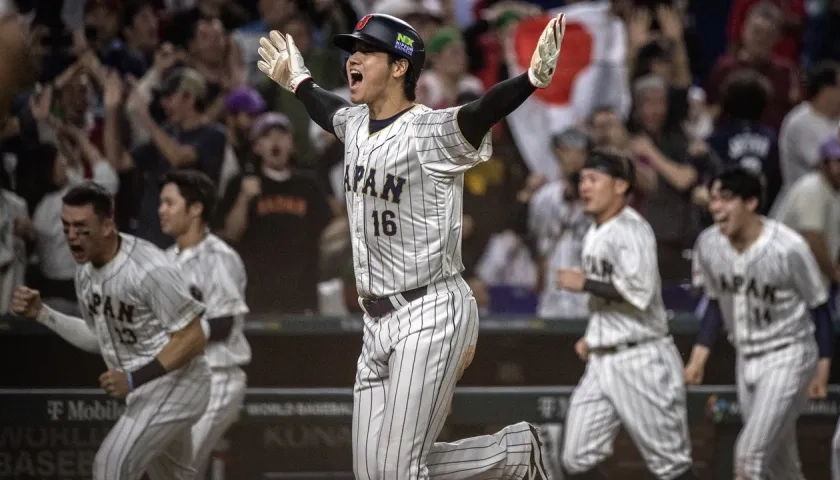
x=215 y=275
x=764 y=286
x=633 y=372
x=403 y=178
x=139 y=316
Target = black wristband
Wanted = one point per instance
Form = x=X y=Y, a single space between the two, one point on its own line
x=147 y=373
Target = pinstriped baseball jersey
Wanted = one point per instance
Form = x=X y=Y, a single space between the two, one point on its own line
x=559 y=227
x=404 y=192
x=134 y=302
x=215 y=274
x=764 y=292
x=622 y=251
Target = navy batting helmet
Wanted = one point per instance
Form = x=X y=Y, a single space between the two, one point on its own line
x=389 y=34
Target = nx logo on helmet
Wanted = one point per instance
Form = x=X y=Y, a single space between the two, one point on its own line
x=362 y=22
x=405 y=44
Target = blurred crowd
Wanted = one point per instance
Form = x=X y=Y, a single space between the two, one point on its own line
x=121 y=91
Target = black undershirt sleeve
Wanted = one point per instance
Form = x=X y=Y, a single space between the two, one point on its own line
x=320 y=104
x=604 y=290
x=220 y=328
x=824 y=330
x=476 y=118
x=710 y=325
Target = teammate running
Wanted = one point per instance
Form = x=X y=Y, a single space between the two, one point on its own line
x=215 y=275
x=404 y=173
x=139 y=316
x=764 y=286
x=633 y=372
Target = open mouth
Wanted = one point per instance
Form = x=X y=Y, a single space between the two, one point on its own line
x=355 y=78
x=77 y=252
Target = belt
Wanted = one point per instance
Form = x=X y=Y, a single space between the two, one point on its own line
x=378 y=307
x=620 y=347
x=783 y=346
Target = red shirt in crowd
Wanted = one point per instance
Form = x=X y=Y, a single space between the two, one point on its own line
x=789 y=44
x=780 y=73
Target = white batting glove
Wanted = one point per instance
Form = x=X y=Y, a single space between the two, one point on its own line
x=282 y=61
x=544 y=59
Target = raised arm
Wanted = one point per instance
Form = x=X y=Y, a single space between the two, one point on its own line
x=283 y=63
x=321 y=104
x=477 y=118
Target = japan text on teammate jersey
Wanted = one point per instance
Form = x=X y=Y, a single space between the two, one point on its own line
x=215 y=275
x=765 y=292
x=404 y=194
x=622 y=251
x=134 y=302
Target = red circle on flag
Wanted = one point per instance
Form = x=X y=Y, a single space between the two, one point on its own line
x=575 y=56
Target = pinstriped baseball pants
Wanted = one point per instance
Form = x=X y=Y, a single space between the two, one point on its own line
x=772 y=392
x=406 y=375
x=227 y=393
x=154 y=436
x=642 y=389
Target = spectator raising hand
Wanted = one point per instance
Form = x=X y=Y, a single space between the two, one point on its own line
x=638 y=30
x=112 y=94
x=166 y=57
x=40 y=102
x=251 y=187
x=670 y=23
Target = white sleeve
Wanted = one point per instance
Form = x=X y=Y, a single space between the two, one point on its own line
x=442 y=148
x=634 y=259
x=340 y=119
x=701 y=276
x=806 y=275
x=73 y=329
x=165 y=292
x=225 y=295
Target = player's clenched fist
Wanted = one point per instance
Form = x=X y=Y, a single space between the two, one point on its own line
x=26 y=302
x=282 y=61
x=115 y=383
x=544 y=59
x=694 y=373
x=251 y=186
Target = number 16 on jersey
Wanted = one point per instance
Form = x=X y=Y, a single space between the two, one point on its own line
x=387 y=224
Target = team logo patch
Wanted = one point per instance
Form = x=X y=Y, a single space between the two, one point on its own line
x=362 y=22
x=196 y=293
x=405 y=44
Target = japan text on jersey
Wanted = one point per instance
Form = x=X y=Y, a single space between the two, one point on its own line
x=622 y=251
x=764 y=292
x=134 y=303
x=404 y=193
